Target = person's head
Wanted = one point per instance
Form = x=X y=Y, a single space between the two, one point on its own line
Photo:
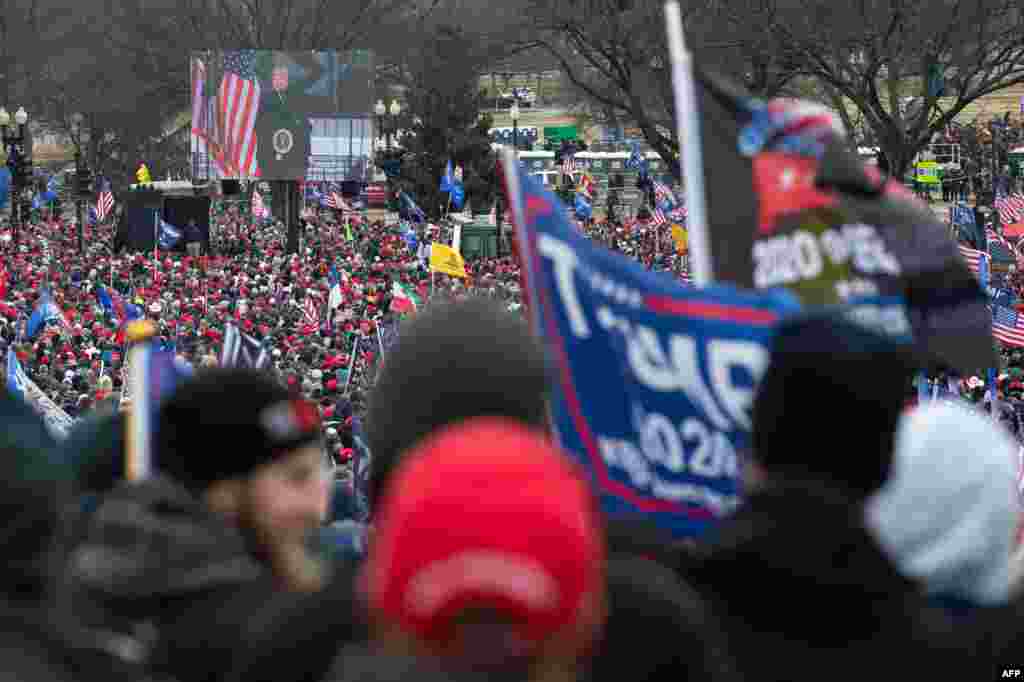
x=453 y=362
x=488 y=552
x=949 y=511
x=267 y=477
x=34 y=484
x=827 y=406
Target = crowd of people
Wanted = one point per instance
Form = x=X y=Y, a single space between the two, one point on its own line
x=246 y=279
x=873 y=542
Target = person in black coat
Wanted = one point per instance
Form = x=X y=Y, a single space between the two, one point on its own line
x=802 y=587
x=41 y=639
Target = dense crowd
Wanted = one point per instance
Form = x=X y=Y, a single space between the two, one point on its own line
x=873 y=541
x=248 y=280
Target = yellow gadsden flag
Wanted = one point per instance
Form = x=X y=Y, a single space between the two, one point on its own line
x=679 y=236
x=142 y=175
x=447 y=260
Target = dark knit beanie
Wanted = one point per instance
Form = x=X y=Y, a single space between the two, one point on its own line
x=226 y=422
x=829 y=402
x=452 y=362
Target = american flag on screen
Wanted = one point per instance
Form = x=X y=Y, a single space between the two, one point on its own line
x=336 y=201
x=105 y=201
x=238 y=106
x=1008 y=326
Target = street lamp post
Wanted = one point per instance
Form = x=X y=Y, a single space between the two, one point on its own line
x=14 y=143
x=379 y=110
x=384 y=127
x=514 y=113
x=395 y=110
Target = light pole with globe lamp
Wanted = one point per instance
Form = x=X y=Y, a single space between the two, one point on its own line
x=14 y=143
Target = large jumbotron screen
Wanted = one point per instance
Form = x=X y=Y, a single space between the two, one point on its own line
x=278 y=115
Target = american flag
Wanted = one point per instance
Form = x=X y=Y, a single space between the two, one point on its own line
x=658 y=218
x=105 y=201
x=336 y=201
x=1011 y=208
x=663 y=193
x=1008 y=326
x=311 y=311
x=239 y=103
x=973 y=258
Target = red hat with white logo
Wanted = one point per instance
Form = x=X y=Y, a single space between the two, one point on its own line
x=486 y=514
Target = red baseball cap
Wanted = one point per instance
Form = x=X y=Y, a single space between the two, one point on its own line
x=486 y=513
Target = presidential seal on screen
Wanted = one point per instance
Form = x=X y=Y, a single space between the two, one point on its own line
x=283 y=141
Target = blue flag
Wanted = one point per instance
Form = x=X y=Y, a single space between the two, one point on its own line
x=448 y=179
x=169 y=235
x=162 y=372
x=18 y=384
x=5 y=185
x=46 y=311
x=361 y=471
x=409 y=210
x=584 y=211
x=653 y=381
x=458 y=195
x=410 y=239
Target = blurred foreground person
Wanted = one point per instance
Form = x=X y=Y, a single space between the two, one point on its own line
x=948 y=514
x=487 y=561
x=452 y=362
x=470 y=359
x=800 y=582
x=203 y=561
x=40 y=638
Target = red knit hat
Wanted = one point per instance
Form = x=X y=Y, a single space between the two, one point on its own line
x=531 y=548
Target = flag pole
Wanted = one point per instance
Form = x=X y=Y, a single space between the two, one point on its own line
x=688 y=128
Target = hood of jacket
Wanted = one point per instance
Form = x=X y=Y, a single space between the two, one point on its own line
x=948 y=513
x=155 y=539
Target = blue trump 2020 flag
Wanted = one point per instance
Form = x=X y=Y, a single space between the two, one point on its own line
x=654 y=381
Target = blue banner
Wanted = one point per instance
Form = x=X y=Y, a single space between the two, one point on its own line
x=170 y=235
x=653 y=381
